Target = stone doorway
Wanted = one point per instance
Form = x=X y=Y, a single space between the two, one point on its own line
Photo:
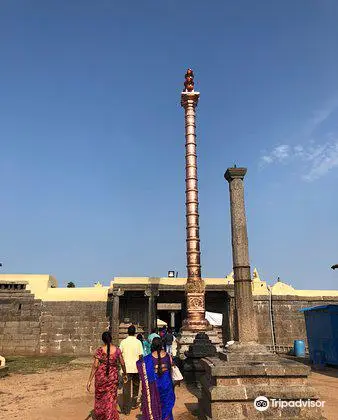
x=171 y=315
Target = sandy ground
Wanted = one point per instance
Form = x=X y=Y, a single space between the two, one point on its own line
x=61 y=395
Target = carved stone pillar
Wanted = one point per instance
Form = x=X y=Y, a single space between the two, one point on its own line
x=152 y=294
x=245 y=322
x=116 y=315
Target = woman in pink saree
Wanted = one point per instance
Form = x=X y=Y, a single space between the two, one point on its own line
x=105 y=370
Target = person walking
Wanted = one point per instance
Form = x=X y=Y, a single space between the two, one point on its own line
x=145 y=344
x=105 y=371
x=168 y=341
x=132 y=351
x=158 y=397
x=152 y=335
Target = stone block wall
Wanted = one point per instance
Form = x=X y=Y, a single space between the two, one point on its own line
x=29 y=326
x=288 y=322
x=72 y=327
x=19 y=320
x=262 y=312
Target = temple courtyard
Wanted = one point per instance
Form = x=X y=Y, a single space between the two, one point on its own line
x=59 y=392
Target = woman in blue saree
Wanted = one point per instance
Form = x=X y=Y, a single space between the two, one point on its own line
x=158 y=397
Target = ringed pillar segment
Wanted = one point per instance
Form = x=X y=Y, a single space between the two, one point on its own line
x=195 y=288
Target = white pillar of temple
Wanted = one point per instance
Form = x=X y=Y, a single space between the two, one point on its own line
x=172 y=319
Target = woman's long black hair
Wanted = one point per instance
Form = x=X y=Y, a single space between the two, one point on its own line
x=107 y=339
x=157 y=346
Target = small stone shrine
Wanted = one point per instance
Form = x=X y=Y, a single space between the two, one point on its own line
x=193 y=368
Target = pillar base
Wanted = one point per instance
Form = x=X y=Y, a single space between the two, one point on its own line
x=196 y=325
x=247 y=352
x=229 y=389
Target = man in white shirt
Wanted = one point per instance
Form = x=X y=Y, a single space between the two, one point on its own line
x=132 y=351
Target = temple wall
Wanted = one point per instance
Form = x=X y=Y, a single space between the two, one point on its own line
x=30 y=326
x=262 y=311
x=288 y=322
x=19 y=322
x=74 y=326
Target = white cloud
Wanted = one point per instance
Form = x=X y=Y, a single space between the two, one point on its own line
x=281 y=152
x=318 y=118
x=317 y=157
x=299 y=150
x=278 y=154
x=322 y=161
x=267 y=159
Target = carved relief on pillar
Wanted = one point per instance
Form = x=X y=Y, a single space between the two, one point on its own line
x=195 y=286
x=195 y=302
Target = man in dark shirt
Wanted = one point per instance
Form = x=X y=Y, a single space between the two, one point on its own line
x=168 y=341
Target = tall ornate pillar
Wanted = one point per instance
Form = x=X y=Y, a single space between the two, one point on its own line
x=195 y=285
x=116 y=315
x=195 y=288
x=152 y=294
x=245 y=322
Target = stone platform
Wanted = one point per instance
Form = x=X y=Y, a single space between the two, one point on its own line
x=123 y=330
x=229 y=389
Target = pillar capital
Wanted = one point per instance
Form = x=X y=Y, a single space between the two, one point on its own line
x=118 y=292
x=189 y=98
x=235 y=173
x=151 y=292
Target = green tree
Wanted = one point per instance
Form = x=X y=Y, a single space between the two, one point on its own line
x=70 y=284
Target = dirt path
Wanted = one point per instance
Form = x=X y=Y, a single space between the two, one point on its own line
x=326 y=383
x=62 y=395
x=56 y=395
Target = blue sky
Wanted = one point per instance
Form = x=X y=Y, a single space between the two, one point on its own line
x=92 y=136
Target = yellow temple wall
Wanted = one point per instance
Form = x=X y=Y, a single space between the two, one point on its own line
x=45 y=287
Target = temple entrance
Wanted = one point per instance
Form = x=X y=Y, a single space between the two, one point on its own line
x=171 y=314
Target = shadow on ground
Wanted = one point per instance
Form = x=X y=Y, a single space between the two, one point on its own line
x=328 y=370
x=90 y=416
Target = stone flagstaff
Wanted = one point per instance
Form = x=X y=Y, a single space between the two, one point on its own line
x=195 y=288
x=246 y=327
